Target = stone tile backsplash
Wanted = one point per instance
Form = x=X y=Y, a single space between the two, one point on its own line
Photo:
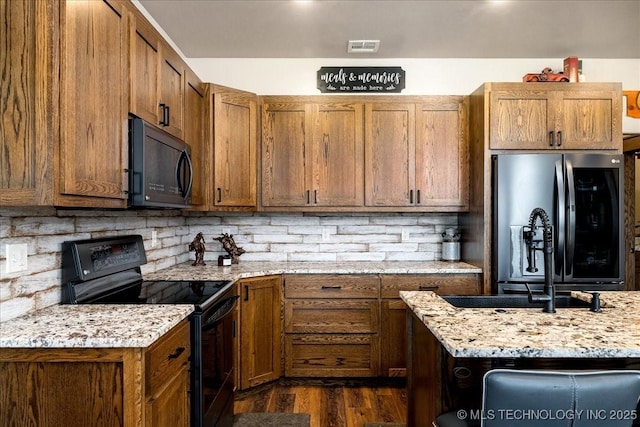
x=264 y=236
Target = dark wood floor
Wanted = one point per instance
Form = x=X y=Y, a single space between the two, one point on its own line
x=341 y=405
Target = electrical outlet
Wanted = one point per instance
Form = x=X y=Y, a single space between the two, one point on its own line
x=405 y=234
x=16 y=257
x=154 y=238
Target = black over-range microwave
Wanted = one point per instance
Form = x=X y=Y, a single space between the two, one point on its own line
x=160 y=168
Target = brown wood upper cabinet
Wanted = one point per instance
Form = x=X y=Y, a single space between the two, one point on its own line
x=234 y=148
x=548 y=116
x=196 y=135
x=68 y=68
x=312 y=152
x=157 y=78
x=416 y=154
x=26 y=165
x=91 y=158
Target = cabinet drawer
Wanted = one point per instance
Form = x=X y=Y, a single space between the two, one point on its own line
x=331 y=355
x=167 y=357
x=331 y=316
x=443 y=284
x=331 y=286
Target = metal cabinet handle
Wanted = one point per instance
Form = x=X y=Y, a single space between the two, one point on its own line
x=315 y=197
x=417 y=197
x=559 y=138
x=246 y=293
x=219 y=195
x=411 y=196
x=164 y=115
x=331 y=287
x=176 y=353
x=552 y=138
x=428 y=287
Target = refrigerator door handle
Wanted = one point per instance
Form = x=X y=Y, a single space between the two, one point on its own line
x=571 y=219
x=561 y=217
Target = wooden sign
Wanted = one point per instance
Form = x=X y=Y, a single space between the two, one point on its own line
x=361 y=79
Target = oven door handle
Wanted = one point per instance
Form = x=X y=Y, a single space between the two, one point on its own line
x=220 y=311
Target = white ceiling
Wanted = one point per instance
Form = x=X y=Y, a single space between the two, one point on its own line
x=406 y=28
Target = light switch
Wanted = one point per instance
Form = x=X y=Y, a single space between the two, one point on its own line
x=16 y=257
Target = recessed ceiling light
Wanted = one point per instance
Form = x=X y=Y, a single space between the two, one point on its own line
x=363 y=46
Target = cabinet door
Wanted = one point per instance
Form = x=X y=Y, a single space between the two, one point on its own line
x=393 y=338
x=171 y=92
x=235 y=143
x=170 y=407
x=338 y=155
x=286 y=139
x=196 y=135
x=389 y=154
x=521 y=119
x=167 y=379
x=92 y=154
x=590 y=119
x=260 y=330
x=144 y=60
x=441 y=155
x=393 y=317
x=26 y=103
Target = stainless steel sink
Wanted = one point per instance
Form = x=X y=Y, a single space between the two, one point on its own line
x=509 y=301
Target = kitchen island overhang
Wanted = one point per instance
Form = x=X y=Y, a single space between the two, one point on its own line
x=528 y=332
x=446 y=341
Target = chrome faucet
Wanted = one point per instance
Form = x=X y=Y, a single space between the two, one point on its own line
x=548 y=296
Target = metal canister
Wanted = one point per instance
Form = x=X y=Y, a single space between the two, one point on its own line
x=451 y=244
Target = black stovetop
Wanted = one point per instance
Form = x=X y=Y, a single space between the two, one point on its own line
x=181 y=292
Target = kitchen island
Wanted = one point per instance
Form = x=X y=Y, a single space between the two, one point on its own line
x=450 y=348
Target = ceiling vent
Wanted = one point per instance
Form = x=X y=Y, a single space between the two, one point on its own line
x=363 y=46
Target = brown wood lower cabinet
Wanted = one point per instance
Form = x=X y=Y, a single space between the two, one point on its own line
x=354 y=325
x=331 y=338
x=167 y=379
x=331 y=355
x=331 y=325
x=259 y=355
x=71 y=387
x=393 y=331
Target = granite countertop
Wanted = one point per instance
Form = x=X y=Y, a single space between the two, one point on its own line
x=243 y=270
x=528 y=332
x=92 y=326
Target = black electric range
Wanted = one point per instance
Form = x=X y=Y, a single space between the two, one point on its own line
x=107 y=271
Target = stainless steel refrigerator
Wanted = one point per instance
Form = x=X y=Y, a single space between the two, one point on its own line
x=583 y=196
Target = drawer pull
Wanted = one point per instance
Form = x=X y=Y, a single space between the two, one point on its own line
x=177 y=353
x=331 y=287
x=428 y=287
